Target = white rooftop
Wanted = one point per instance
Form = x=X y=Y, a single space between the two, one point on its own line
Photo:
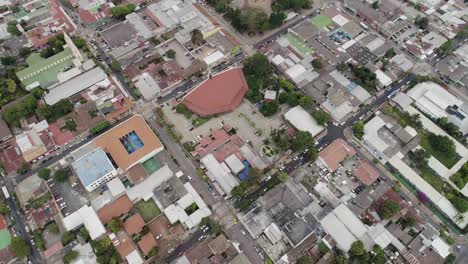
x=221 y=174
x=234 y=163
x=302 y=121
x=147 y=86
x=144 y=189
x=87 y=216
x=213 y=58
x=115 y=187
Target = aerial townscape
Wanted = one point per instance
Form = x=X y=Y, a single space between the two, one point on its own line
x=234 y=131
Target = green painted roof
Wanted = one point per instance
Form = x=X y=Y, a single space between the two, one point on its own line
x=48 y=76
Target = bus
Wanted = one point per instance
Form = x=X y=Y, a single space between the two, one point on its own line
x=5 y=192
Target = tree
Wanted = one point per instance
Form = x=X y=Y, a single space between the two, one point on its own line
x=450 y=259
x=304 y=260
x=302 y=140
x=283 y=176
x=53 y=228
x=446 y=48
x=115 y=65
x=115 y=224
x=375 y=5
x=269 y=108
x=13 y=29
x=20 y=248
x=420 y=157
x=80 y=43
x=442 y=144
x=460 y=203
x=238 y=191
x=321 y=117
x=171 y=54
x=317 y=64
x=197 y=37
x=421 y=22
x=277 y=19
x=44 y=174
x=378 y=256
x=3 y=208
x=121 y=11
x=305 y=100
x=24 y=52
x=11 y=85
x=60 y=175
x=258 y=66
x=358 y=129
x=389 y=209
x=70 y=256
x=341 y=67
x=357 y=249
x=340 y=258
x=8 y=60
x=83 y=233
x=67 y=237
x=153 y=252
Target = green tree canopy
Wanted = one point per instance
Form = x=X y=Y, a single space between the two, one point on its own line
x=171 y=54
x=44 y=174
x=115 y=224
x=61 y=175
x=20 y=248
x=304 y=260
x=70 y=256
x=258 y=66
x=317 y=64
x=270 y=108
x=197 y=37
x=358 y=129
x=321 y=117
x=389 y=209
x=122 y=10
x=3 y=208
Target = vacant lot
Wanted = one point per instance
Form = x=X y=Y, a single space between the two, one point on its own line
x=148 y=210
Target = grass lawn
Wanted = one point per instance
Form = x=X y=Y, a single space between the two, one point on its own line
x=198 y=121
x=299 y=44
x=321 y=21
x=440 y=156
x=148 y=210
x=5 y=239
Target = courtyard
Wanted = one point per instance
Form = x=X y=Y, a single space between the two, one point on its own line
x=249 y=123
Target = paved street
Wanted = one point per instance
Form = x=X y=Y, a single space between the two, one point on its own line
x=20 y=223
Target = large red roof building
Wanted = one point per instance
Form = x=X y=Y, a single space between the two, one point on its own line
x=219 y=94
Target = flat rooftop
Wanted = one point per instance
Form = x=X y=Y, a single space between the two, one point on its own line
x=93 y=166
x=129 y=142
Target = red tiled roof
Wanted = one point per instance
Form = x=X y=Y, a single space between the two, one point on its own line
x=146 y=243
x=211 y=142
x=61 y=137
x=335 y=153
x=134 y=224
x=219 y=94
x=366 y=173
x=11 y=156
x=53 y=249
x=3 y=223
x=120 y=206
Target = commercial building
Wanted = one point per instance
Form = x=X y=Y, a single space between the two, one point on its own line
x=96 y=76
x=85 y=216
x=94 y=169
x=438 y=102
x=170 y=14
x=334 y=154
x=303 y=121
x=129 y=143
x=219 y=94
x=117 y=150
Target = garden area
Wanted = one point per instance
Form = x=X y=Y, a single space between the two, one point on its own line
x=148 y=210
x=268 y=151
x=254 y=20
x=418 y=160
x=259 y=75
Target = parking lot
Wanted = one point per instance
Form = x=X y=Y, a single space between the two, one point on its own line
x=69 y=196
x=249 y=123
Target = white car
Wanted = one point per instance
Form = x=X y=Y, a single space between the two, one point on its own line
x=243 y=232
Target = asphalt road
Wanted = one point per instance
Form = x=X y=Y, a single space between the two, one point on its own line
x=333 y=133
x=20 y=223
